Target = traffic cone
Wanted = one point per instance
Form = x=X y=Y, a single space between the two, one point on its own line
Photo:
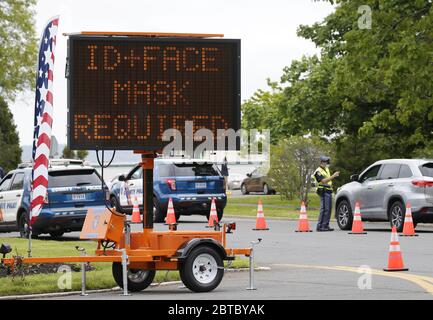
x=213 y=217
x=260 y=221
x=408 y=228
x=357 y=227
x=303 y=225
x=395 y=259
x=136 y=217
x=171 y=217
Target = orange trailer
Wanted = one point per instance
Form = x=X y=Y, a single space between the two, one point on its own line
x=198 y=255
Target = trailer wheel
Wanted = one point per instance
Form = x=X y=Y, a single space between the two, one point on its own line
x=138 y=279
x=203 y=269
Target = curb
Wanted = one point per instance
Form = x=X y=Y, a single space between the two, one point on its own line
x=55 y=294
x=73 y=293
x=269 y=218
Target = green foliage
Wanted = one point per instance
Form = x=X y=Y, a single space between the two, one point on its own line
x=72 y=154
x=382 y=76
x=82 y=154
x=293 y=162
x=10 y=154
x=369 y=91
x=17 y=60
x=68 y=153
x=18 y=47
x=261 y=112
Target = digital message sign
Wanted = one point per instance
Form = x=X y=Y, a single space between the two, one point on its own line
x=124 y=92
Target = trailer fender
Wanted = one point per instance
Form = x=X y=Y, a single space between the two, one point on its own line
x=183 y=252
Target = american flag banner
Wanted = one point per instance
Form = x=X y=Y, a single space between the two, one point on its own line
x=43 y=120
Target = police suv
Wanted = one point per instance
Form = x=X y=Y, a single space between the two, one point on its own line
x=72 y=189
x=190 y=183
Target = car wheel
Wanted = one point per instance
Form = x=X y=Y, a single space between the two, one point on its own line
x=396 y=215
x=344 y=215
x=177 y=215
x=158 y=214
x=266 y=189
x=115 y=204
x=23 y=226
x=220 y=214
x=138 y=279
x=203 y=269
x=244 y=189
x=56 y=234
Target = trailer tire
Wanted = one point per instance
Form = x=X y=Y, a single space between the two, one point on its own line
x=138 y=279
x=202 y=270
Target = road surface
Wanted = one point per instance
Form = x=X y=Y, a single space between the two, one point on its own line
x=311 y=265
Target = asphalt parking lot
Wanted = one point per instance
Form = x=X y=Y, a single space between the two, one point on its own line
x=310 y=265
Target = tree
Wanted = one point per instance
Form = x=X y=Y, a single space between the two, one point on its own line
x=261 y=112
x=68 y=153
x=82 y=154
x=293 y=162
x=370 y=90
x=18 y=47
x=382 y=76
x=17 y=59
x=10 y=154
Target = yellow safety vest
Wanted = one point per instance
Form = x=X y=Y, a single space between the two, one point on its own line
x=325 y=173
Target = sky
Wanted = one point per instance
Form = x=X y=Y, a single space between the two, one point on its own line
x=267 y=30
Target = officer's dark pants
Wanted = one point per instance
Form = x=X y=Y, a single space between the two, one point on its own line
x=325 y=210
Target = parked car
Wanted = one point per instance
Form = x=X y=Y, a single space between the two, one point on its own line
x=114 y=180
x=384 y=189
x=234 y=181
x=72 y=189
x=257 y=181
x=190 y=183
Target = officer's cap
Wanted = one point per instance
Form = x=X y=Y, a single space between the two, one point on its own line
x=325 y=159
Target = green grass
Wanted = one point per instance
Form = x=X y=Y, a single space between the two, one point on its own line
x=101 y=278
x=275 y=200
x=247 y=206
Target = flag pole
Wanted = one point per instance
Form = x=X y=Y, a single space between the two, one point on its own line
x=29 y=250
x=29 y=228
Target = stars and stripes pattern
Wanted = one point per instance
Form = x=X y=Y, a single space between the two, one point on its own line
x=43 y=120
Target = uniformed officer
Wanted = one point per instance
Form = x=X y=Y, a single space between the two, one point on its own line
x=225 y=170
x=323 y=178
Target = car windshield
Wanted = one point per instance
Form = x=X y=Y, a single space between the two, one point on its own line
x=427 y=169
x=195 y=169
x=73 y=178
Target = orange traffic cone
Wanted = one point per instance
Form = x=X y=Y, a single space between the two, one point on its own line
x=213 y=217
x=408 y=228
x=395 y=259
x=303 y=225
x=260 y=221
x=171 y=217
x=357 y=227
x=136 y=217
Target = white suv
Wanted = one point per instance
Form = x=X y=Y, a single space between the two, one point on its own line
x=384 y=189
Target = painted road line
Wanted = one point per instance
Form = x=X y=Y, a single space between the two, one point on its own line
x=423 y=281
